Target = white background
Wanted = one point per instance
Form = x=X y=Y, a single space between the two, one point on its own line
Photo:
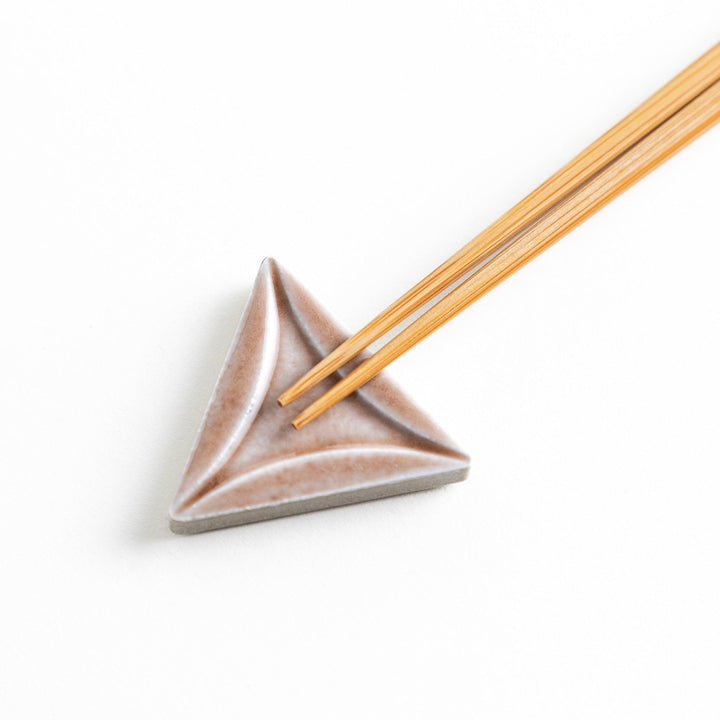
x=152 y=153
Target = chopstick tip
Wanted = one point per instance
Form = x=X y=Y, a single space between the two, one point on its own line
x=307 y=415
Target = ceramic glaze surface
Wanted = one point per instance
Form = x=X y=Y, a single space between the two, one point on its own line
x=250 y=464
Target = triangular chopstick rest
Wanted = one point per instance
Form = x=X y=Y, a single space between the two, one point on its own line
x=250 y=464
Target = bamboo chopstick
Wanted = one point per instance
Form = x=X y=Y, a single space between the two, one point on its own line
x=696 y=78
x=683 y=127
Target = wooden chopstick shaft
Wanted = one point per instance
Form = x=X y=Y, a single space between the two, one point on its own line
x=638 y=161
x=665 y=102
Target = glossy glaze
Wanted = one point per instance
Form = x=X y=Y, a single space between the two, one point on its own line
x=250 y=464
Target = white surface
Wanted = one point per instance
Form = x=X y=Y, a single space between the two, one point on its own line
x=152 y=154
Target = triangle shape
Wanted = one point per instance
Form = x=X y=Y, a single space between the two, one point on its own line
x=250 y=464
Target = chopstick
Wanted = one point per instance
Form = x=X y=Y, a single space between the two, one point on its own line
x=696 y=78
x=679 y=130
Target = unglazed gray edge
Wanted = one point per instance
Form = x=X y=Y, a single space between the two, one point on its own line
x=318 y=502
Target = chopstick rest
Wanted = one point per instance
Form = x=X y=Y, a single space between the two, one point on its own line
x=249 y=464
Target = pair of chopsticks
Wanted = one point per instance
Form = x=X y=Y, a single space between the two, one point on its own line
x=665 y=123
